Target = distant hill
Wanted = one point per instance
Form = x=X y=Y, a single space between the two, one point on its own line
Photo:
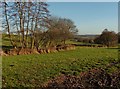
x=90 y=36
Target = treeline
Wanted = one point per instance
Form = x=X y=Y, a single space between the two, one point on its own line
x=106 y=38
x=33 y=26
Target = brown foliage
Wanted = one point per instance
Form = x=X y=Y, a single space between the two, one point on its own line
x=2 y=53
x=28 y=51
x=65 y=47
x=13 y=52
x=25 y=51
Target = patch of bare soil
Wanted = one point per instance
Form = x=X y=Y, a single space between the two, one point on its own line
x=92 y=79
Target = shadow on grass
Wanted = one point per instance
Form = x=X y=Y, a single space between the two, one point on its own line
x=6 y=39
x=114 y=48
x=5 y=48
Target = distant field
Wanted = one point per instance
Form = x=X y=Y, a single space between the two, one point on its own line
x=34 y=70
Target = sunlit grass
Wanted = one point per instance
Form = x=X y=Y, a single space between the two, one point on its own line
x=35 y=69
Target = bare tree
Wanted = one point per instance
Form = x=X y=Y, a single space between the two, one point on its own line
x=65 y=27
x=40 y=21
x=5 y=5
x=26 y=18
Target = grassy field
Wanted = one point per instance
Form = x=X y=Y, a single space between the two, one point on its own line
x=34 y=70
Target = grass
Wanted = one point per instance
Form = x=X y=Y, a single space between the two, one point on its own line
x=73 y=42
x=34 y=70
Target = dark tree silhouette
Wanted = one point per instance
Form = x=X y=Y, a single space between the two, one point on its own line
x=118 y=37
x=108 y=38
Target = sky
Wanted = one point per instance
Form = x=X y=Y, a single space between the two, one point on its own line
x=89 y=17
x=83 y=0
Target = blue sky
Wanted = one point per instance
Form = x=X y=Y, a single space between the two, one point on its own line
x=89 y=17
x=83 y=0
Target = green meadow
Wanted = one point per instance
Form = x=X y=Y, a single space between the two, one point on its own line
x=36 y=69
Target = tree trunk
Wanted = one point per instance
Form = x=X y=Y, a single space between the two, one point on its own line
x=8 y=27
